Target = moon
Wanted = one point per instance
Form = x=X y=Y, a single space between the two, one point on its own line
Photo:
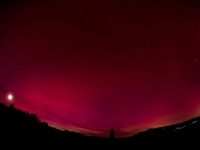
x=10 y=97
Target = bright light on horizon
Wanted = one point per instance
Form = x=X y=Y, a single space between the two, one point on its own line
x=10 y=97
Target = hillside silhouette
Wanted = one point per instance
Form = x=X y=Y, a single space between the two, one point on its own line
x=20 y=128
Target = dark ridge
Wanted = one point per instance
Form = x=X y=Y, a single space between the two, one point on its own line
x=24 y=130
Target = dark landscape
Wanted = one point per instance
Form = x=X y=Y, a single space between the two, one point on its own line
x=24 y=130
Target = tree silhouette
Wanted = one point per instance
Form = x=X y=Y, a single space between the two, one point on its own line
x=112 y=133
x=11 y=106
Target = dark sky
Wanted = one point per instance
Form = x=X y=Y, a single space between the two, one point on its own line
x=92 y=65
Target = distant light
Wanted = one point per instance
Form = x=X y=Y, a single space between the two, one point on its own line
x=10 y=97
x=194 y=122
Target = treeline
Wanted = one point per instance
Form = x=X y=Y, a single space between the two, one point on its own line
x=23 y=128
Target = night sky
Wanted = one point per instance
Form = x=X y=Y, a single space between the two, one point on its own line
x=92 y=65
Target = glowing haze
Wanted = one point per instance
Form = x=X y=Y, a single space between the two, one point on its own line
x=89 y=66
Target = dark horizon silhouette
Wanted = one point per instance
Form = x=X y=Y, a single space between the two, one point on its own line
x=25 y=127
